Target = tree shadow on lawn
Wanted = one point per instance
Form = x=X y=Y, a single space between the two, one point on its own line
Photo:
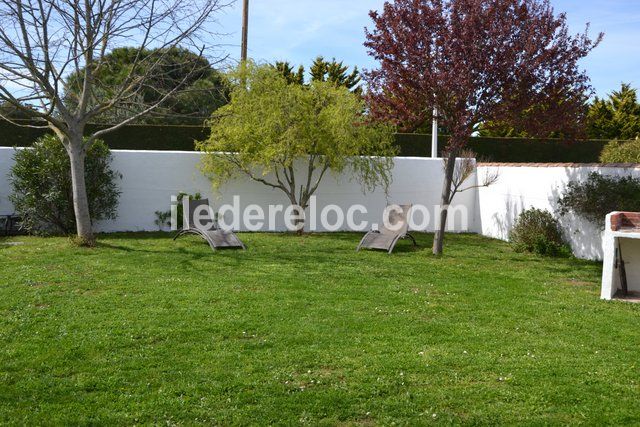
x=322 y=248
x=302 y=251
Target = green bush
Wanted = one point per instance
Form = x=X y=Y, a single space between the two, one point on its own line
x=538 y=231
x=599 y=195
x=163 y=218
x=621 y=152
x=42 y=191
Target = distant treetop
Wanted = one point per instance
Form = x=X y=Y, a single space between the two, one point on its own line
x=323 y=71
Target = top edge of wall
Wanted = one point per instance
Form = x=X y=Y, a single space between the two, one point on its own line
x=563 y=165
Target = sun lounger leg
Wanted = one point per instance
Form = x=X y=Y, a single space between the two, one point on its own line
x=181 y=233
x=362 y=240
x=393 y=244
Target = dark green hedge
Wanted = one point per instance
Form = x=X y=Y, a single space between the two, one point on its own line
x=516 y=150
x=132 y=137
x=181 y=138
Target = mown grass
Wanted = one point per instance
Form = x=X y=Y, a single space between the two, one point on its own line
x=305 y=330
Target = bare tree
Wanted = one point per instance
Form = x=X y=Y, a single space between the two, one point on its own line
x=465 y=165
x=42 y=42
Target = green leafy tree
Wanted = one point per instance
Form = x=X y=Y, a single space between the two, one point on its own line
x=289 y=74
x=288 y=136
x=322 y=70
x=499 y=130
x=335 y=72
x=617 y=117
x=204 y=88
x=42 y=187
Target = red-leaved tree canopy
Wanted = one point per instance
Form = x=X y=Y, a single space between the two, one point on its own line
x=476 y=61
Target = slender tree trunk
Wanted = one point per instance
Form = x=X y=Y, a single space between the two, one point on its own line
x=450 y=166
x=299 y=222
x=77 y=154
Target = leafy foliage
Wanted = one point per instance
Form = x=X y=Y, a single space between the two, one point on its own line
x=11 y=112
x=163 y=218
x=538 y=231
x=41 y=183
x=336 y=73
x=292 y=77
x=617 y=117
x=600 y=195
x=501 y=77
x=621 y=152
x=203 y=89
x=323 y=71
x=476 y=61
x=499 y=130
x=288 y=136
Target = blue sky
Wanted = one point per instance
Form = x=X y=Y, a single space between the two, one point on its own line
x=299 y=30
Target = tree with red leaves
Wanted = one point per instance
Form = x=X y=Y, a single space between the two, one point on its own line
x=476 y=61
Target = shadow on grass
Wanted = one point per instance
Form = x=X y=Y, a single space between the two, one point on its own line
x=327 y=248
x=335 y=243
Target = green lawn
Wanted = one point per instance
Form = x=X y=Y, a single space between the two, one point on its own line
x=306 y=330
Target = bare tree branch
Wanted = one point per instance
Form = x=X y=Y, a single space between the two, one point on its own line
x=44 y=42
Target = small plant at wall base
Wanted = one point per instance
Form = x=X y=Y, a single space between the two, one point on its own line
x=537 y=231
x=164 y=218
x=599 y=195
x=42 y=187
x=621 y=152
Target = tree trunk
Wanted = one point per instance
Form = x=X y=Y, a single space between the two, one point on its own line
x=77 y=154
x=300 y=222
x=450 y=166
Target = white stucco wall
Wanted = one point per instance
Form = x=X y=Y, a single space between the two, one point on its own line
x=522 y=187
x=616 y=243
x=6 y=161
x=151 y=177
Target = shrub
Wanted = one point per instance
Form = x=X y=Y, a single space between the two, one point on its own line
x=599 y=195
x=621 y=152
x=42 y=191
x=164 y=218
x=538 y=231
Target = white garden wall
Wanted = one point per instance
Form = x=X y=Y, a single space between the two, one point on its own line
x=151 y=177
x=520 y=187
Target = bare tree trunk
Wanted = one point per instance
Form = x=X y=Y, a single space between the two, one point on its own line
x=450 y=166
x=77 y=155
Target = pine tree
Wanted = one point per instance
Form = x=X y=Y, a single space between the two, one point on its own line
x=617 y=117
x=323 y=71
